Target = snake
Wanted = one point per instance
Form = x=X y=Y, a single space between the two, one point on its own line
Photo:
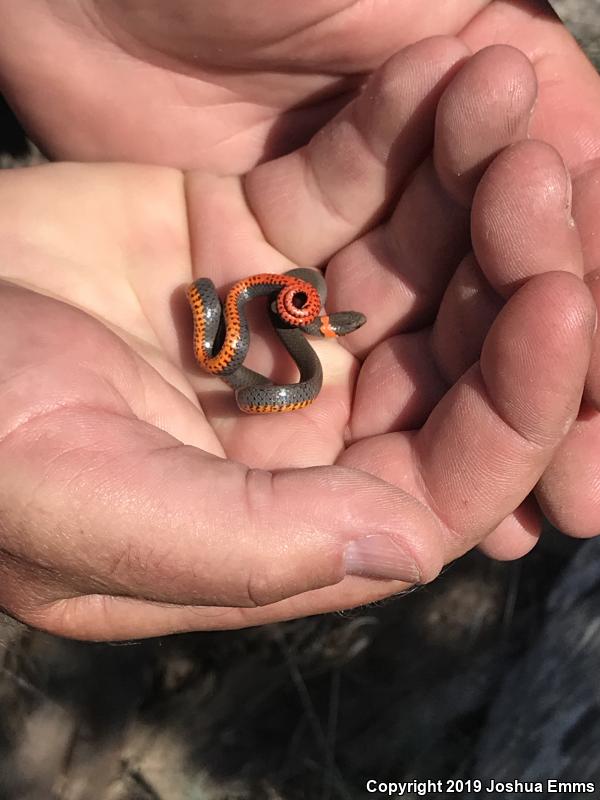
x=221 y=337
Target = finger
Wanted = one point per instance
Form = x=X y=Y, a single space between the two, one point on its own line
x=316 y=200
x=521 y=226
x=467 y=311
x=521 y=219
x=592 y=384
x=409 y=260
x=516 y=535
x=178 y=525
x=396 y=274
x=398 y=386
x=586 y=200
x=514 y=409
x=567 y=113
x=405 y=377
x=488 y=441
x=586 y=213
x=569 y=489
x=493 y=94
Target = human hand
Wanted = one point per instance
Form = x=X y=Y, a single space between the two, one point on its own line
x=529 y=216
x=191 y=84
x=122 y=517
x=522 y=226
x=223 y=86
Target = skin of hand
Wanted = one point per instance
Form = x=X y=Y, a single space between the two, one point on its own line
x=224 y=87
x=128 y=508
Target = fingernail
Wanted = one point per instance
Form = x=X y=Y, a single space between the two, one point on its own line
x=380 y=556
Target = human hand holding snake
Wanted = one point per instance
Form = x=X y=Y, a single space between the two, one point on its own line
x=139 y=525
x=222 y=335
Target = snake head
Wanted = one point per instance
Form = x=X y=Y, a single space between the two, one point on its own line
x=341 y=323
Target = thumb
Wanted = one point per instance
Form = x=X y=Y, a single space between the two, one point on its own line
x=113 y=506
